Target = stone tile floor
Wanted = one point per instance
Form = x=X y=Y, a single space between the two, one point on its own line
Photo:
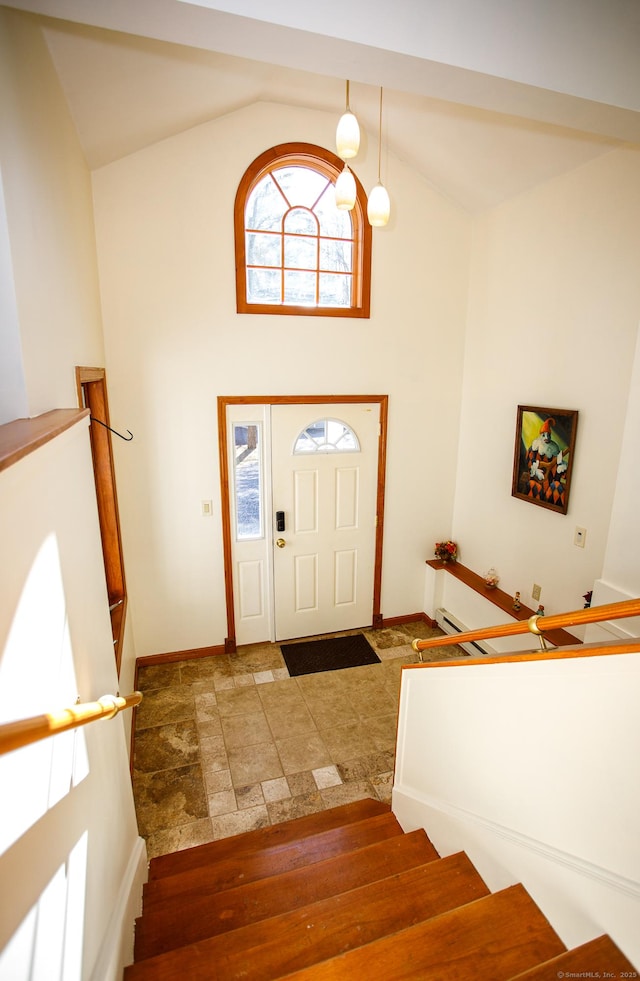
x=230 y=743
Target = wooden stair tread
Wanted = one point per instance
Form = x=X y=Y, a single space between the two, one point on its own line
x=597 y=958
x=344 y=893
x=493 y=938
x=280 y=857
x=275 y=946
x=252 y=841
x=189 y=920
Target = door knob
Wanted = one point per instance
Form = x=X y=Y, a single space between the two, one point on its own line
x=280 y=542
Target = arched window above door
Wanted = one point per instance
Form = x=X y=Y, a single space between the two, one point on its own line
x=327 y=436
x=296 y=251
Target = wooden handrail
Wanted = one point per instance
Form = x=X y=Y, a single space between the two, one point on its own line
x=536 y=625
x=14 y=735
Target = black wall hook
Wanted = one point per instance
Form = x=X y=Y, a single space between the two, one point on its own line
x=127 y=439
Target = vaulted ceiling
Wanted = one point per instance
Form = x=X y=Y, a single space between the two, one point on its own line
x=484 y=100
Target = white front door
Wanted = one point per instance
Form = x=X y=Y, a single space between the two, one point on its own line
x=324 y=474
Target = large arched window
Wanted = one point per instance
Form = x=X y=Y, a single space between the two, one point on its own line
x=296 y=252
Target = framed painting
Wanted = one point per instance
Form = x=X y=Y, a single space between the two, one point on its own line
x=543 y=456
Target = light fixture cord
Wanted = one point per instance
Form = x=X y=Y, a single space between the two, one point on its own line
x=347 y=99
x=380 y=137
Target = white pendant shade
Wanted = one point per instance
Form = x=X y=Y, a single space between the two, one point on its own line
x=345 y=190
x=378 y=206
x=347 y=136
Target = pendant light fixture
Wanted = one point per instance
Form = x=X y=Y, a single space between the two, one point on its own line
x=345 y=190
x=378 y=205
x=347 y=133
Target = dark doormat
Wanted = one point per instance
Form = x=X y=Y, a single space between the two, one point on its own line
x=311 y=656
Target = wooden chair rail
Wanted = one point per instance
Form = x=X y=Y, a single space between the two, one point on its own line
x=14 y=735
x=538 y=625
x=23 y=436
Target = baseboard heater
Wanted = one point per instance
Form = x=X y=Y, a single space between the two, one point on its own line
x=451 y=625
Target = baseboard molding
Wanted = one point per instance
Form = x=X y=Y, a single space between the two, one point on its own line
x=410 y=807
x=171 y=656
x=116 y=951
x=409 y=618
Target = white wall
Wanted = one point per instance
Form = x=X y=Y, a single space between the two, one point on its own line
x=164 y=221
x=48 y=507
x=48 y=201
x=13 y=393
x=620 y=579
x=69 y=831
x=553 y=317
x=50 y=294
x=526 y=766
x=621 y=559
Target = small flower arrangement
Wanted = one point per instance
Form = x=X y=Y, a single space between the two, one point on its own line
x=446 y=551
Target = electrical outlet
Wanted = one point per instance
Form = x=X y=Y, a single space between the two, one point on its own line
x=535 y=592
x=580 y=537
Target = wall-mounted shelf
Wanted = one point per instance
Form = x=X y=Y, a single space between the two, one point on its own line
x=560 y=638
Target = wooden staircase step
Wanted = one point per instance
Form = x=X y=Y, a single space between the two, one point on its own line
x=281 y=857
x=491 y=939
x=253 y=841
x=190 y=919
x=599 y=958
x=273 y=947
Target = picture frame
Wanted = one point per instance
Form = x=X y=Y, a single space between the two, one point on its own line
x=543 y=456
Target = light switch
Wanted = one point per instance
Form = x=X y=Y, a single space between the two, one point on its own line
x=580 y=537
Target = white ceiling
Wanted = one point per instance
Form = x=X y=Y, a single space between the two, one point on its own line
x=137 y=71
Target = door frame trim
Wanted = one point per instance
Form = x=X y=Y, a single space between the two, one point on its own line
x=226 y=400
x=91 y=386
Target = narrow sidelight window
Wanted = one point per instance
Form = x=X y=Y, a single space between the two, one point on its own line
x=248 y=481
